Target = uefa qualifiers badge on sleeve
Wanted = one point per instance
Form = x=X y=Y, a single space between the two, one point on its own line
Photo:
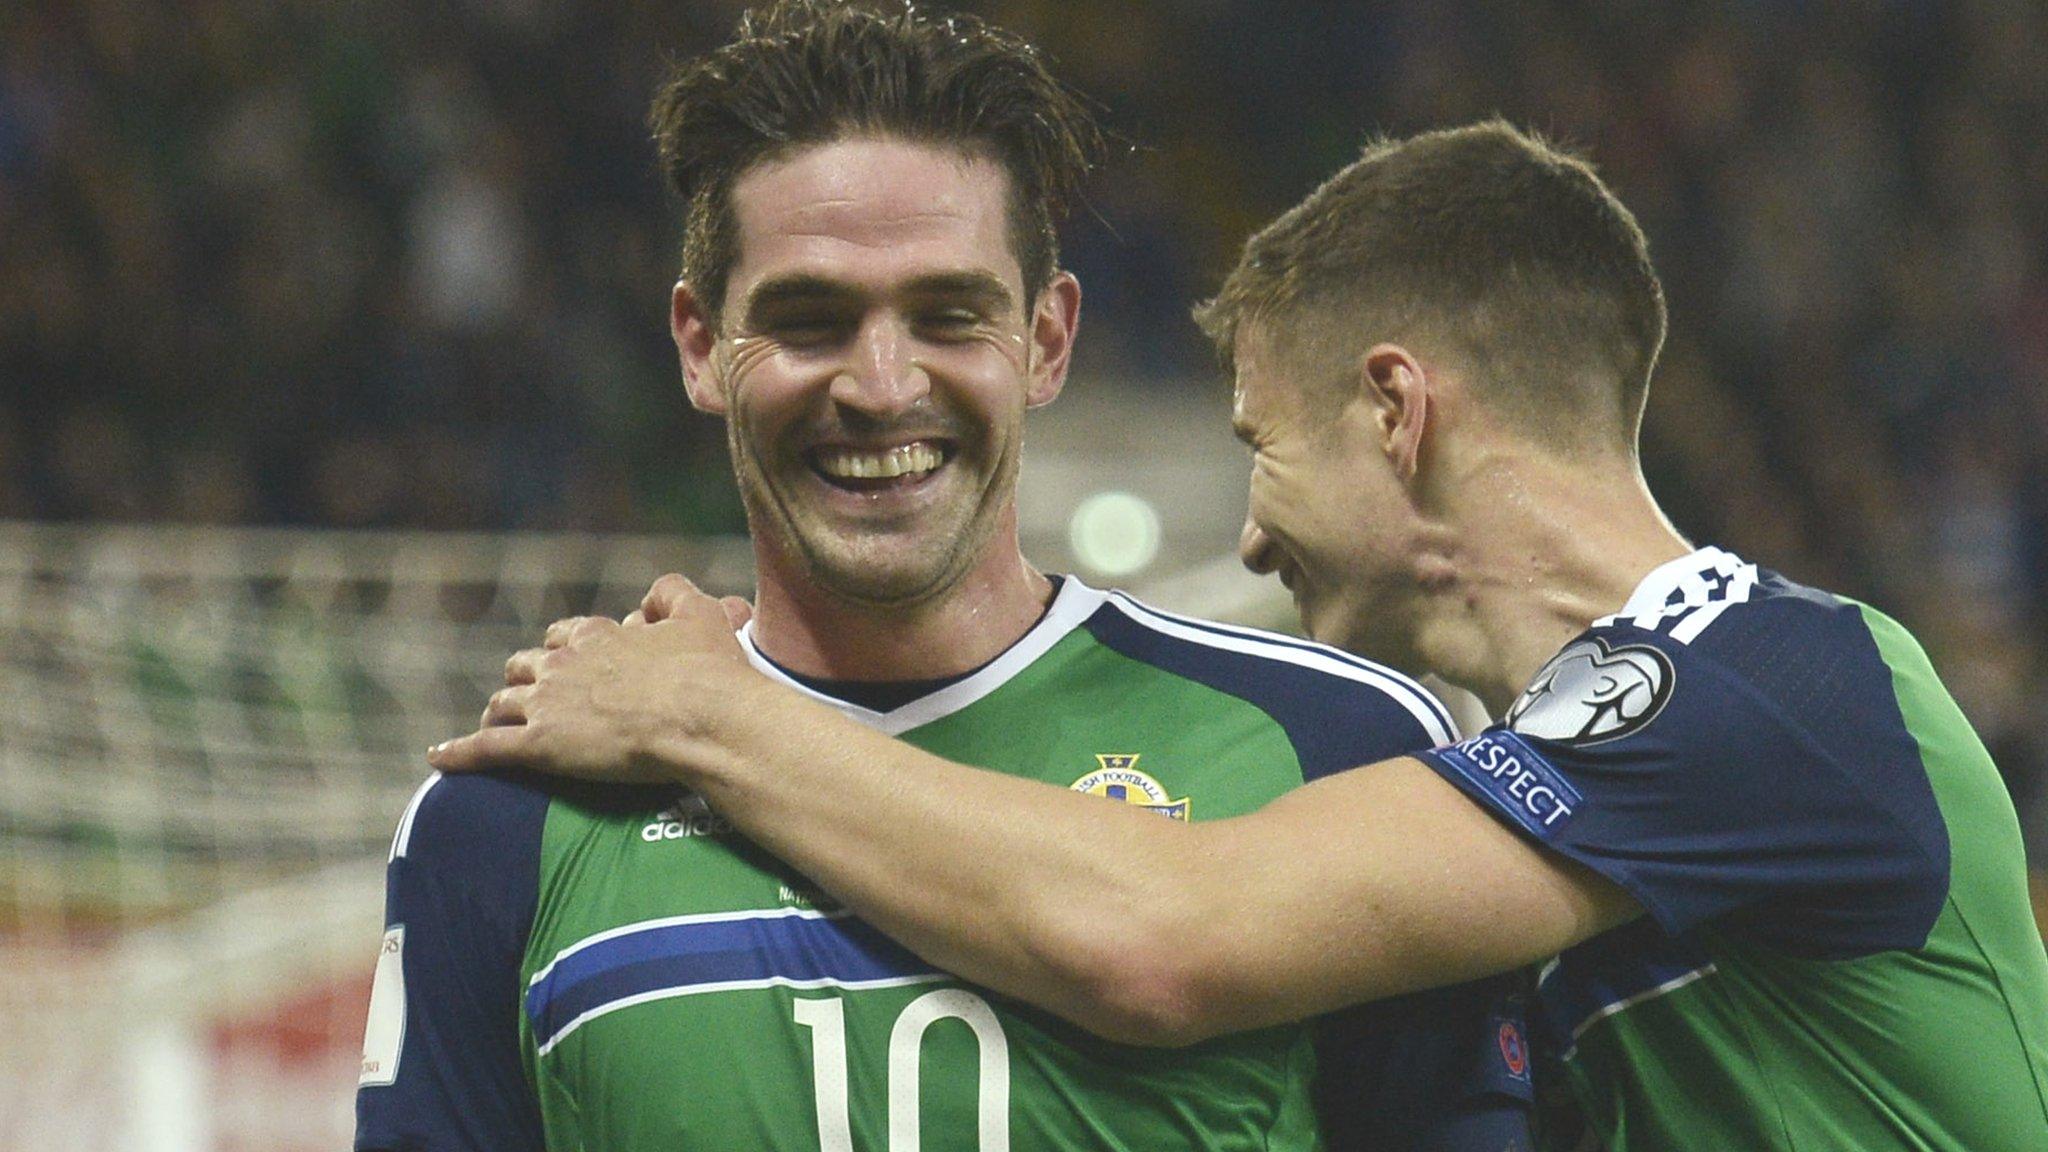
x=1593 y=692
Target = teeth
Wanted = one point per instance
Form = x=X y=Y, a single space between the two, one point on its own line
x=900 y=461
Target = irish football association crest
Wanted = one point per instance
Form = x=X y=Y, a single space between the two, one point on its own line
x=1116 y=777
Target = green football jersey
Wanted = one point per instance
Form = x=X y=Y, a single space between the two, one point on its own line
x=642 y=977
x=1839 y=952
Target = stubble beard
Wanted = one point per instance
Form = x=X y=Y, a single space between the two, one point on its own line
x=881 y=569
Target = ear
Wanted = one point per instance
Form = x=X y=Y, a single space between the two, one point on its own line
x=1055 y=318
x=1393 y=382
x=695 y=336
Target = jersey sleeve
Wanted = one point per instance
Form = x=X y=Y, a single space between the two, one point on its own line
x=1757 y=774
x=442 y=1070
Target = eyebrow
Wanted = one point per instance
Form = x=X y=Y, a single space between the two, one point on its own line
x=983 y=290
x=783 y=291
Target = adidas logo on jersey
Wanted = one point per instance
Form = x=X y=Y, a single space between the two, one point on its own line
x=687 y=817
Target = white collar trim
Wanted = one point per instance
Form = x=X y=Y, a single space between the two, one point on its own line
x=1075 y=603
x=1653 y=595
x=1693 y=590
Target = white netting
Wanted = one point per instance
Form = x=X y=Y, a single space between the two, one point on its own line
x=205 y=740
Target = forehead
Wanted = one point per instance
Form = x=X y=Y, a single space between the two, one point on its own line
x=1260 y=390
x=871 y=212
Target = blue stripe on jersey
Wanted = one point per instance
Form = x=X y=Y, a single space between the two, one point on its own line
x=1334 y=720
x=693 y=954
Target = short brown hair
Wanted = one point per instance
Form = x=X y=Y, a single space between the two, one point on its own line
x=1505 y=249
x=806 y=72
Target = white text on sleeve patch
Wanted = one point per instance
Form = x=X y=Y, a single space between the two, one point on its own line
x=385 y=1034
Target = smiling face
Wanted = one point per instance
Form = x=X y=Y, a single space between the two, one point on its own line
x=875 y=366
x=1326 y=512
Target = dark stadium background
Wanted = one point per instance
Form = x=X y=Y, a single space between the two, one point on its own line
x=377 y=264
x=383 y=264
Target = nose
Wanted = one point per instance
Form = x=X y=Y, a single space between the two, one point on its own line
x=1255 y=548
x=882 y=376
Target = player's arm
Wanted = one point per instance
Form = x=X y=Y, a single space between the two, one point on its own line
x=442 y=1069
x=1365 y=884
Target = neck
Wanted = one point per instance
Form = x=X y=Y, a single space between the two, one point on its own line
x=1543 y=548
x=815 y=632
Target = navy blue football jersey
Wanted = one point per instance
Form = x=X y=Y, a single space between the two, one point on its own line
x=1838 y=951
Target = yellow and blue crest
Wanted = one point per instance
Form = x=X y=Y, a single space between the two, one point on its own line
x=1116 y=777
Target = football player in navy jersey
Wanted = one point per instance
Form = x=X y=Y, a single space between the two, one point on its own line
x=1770 y=875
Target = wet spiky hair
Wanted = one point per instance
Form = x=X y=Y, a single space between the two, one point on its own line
x=806 y=72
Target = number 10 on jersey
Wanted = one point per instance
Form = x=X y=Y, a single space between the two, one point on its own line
x=826 y=1019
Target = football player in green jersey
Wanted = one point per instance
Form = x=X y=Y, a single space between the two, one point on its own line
x=1771 y=876
x=871 y=298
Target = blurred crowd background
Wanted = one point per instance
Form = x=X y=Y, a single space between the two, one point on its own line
x=376 y=263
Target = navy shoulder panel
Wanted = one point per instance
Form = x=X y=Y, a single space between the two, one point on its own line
x=1338 y=710
x=455 y=816
x=1740 y=759
x=1812 y=658
x=461 y=888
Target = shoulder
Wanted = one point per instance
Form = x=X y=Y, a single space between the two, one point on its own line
x=1339 y=710
x=1739 y=747
x=477 y=817
x=460 y=817
x=1758 y=645
x=1756 y=675
x=1753 y=621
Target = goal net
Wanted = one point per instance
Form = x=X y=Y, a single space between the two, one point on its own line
x=205 y=739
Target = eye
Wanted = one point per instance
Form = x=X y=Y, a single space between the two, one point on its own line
x=808 y=329
x=948 y=323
